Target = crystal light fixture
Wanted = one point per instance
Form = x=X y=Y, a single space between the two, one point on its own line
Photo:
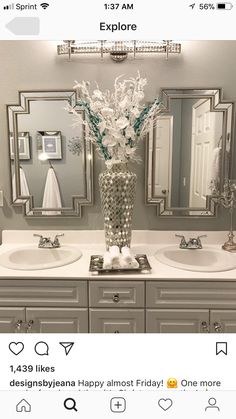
x=118 y=50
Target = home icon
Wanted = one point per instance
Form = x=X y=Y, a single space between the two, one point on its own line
x=23 y=406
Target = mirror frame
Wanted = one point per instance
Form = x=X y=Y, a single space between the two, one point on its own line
x=27 y=202
x=217 y=104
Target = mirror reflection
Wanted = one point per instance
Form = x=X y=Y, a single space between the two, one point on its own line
x=189 y=152
x=57 y=174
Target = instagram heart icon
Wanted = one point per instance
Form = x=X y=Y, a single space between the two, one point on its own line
x=16 y=347
x=165 y=404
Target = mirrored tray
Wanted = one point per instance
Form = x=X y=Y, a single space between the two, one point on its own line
x=96 y=266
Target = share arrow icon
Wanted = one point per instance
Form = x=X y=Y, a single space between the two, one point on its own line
x=67 y=346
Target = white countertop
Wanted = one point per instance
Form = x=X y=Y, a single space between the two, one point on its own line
x=92 y=242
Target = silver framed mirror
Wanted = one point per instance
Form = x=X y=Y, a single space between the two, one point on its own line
x=56 y=180
x=188 y=152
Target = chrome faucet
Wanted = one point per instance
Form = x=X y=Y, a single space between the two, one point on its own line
x=47 y=243
x=193 y=243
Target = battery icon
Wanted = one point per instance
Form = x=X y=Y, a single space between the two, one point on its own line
x=224 y=6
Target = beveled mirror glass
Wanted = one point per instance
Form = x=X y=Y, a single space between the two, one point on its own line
x=51 y=163
x=188 y=152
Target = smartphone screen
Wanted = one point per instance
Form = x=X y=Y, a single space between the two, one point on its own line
x=117 y=198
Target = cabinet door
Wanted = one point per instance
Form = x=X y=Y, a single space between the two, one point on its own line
x=12 y=319
x=116 y=321
x=223 y=321
x=57 y=320
x=177 y=321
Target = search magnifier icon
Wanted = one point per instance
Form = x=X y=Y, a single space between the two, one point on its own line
x=70 y=404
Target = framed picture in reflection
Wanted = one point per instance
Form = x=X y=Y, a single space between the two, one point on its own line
x=50 y=144
x=23 y=146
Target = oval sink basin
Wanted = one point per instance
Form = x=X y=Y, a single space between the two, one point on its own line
x=207 y=259
x=33 y=258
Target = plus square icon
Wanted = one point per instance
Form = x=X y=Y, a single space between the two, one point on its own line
x=118 y=405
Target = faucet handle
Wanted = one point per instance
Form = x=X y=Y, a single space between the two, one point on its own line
x=180 y=235
x=38 y=235
x=183 y=240
x=198 y=240
x=56 y=242
x=183 y=243
x=59 y=235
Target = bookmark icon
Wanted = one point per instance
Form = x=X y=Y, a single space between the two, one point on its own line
x=67 y=346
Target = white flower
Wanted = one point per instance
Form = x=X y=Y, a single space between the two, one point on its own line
x=130 y=151
x=107 y=111
x=122 y=122
x=113 y=115
x=109 y=141
x=82 y=89
x=135 y=112
x=124 y=103
x=97 y=94
x=114 y=132
x=130 y=133
x=138 y=96
x=96 y=106
x=102 y=126
x=122 y=141
x=77 y=85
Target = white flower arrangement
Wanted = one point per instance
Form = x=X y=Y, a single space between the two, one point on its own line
x=115 y=121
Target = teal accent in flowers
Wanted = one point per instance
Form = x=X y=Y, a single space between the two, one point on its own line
x=115 y=121
x=143 y=116
x=93 y=121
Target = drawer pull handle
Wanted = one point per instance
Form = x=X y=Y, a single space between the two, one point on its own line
x=29 y=325
x=116 y=298
x=218 y=327
x=18 y=325
x=205 y=327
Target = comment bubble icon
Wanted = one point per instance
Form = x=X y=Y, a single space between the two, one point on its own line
x=41 y=348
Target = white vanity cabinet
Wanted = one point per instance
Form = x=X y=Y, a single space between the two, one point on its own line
x=190 y=307
x=11 y=319
x=223 y=321
x=177 y=321
x=117 y=306
x=117 y=321
x=43 y=306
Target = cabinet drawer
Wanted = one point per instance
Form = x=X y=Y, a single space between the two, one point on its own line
x=177 y=321
x=116 y=321
x=43 y=293
x=170 y=294
x=116 y=294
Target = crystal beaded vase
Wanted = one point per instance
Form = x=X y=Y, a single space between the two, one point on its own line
x=117 y=189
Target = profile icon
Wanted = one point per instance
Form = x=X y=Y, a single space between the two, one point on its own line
x=212 y=404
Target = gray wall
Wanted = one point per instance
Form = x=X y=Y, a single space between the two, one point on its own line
x=30 y=65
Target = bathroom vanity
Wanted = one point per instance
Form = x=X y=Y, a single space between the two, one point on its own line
x=69 y=299
x=111 y=306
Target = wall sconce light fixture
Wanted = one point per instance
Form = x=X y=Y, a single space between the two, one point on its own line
x=118 y=50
